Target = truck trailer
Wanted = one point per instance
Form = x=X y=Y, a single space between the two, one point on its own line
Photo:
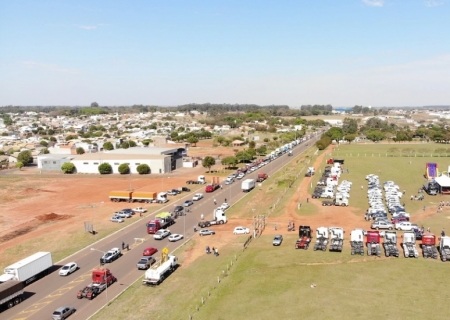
x=10 y=293
x=29 y=269
x=248 y=185
x=117 y=196
x=157 y=274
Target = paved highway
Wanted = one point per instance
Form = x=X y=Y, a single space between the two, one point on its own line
x=53 y=291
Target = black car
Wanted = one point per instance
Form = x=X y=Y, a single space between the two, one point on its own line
x=128 y=210
x=178 y=209
x=185 y=189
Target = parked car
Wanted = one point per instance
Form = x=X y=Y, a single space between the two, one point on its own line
x=175 y=237
x=128 y=210
x=68 y=269
x=399 y=219
x=145 y=262
x=188 y=203
x=122 y=214
x=241 y=230
x=178 y=209
x=277 y=240
x=197 y=196
x=161 y=234
x=116 y=219
x=404 y=226
x=240 y=176
x=140 y=210
x=382 y=225
x=63 y=312
x=206 y=232
x=185 y=189
x=173 y=192
x=149 y=251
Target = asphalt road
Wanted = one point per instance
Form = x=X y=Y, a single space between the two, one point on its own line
x=53 y=291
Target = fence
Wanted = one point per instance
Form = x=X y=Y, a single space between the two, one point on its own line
x=392 y=155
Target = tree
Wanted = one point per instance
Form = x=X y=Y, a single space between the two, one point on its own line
x=19 y=165
x=25 y=157
x=108 y=146
x=350 y=137
x=252 y=144
x=261 y=150
x=68 y=167
x=45 y=151
x=266 y=140
x=124 y=168
x=80 y=150
x=208 y=162
x=43 y=143
x=375 y=135
x=229 y=161
x=143 y=169
x=105 y=168
x=94 y=105
x=193 y=140
x=220 y=140
x=349 y=126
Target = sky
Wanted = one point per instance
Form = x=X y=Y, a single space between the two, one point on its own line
x=167 y=53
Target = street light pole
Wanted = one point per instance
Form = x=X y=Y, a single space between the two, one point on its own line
x=106 y=280
x=131 y=185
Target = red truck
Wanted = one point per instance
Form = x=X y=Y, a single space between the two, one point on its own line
x=162 y=221
x=101 y=279
x=213 y=186
x=262 y=177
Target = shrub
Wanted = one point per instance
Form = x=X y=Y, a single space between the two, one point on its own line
x=143 y=169
x=105 y=168
x=68 y=167
x=80 y=150
x=25 y=157
x=19 y=165
x=124 y=168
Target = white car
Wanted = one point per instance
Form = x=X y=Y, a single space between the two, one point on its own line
x=240 y=176
x=175 y=237
x=197 y=196
x=140 y=210
x=161 y=234
x=241 y=230
x=224 y=206
x=122 y=214
x=404 y=226
x=68 y=269
x=116 y=219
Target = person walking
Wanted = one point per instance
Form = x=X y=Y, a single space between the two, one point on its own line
x=275 y=227
x=423 y=208
x=202 y=216
x=221 y=187
x=225 y=200
x=215 y=202
x=428 y=229
x=443 y=233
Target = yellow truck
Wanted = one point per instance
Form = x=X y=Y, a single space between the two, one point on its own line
x=144 y=196
x=117 y=196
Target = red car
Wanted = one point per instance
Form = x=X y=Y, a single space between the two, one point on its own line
x=149 y=251
x=399 y=219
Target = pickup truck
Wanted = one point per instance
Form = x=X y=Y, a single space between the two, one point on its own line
x=110 y=256
x=145 y=263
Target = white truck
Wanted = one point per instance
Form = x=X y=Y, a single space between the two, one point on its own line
x=219 y=217
x=29 y=269
x=409 y=245
x=248 y=185
x=157 y=274
x=340 y=200
x=162 y=197
x=444 y=248
x=321 y=239
x=337 y=238
x=10 y=293
x=357 y=241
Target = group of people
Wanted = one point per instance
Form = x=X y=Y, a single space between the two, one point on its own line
x=419 y=197
x=442 y=204
x=213 y=250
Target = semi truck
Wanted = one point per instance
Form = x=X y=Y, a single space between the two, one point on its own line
x=138 y=196
x=262 y=177
x=219 y=217
x=213 y=186
x=10 y=293
x=29 y=269
x=432 y=188
x=248 y=185
x=101 y=279
x=200 y=180
x=159 y=272
x=162 y=221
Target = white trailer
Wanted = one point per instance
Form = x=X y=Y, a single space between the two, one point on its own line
x=156 y=275
x=28 y=269
x=248 y=185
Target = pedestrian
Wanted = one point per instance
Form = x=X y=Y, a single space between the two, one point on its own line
x=307 y=200
x=202 y=216
x=208 y=251
x=412 y=197
x=221 y=187
x=275 y=227
x=404 y=204
x=213 y=250
x=443 y=233
x=140 y=214
x=216 y=252
x=428 y=229
x=404 y=191
x=225 y=200
x=362 y=187
x=423 y=208
x=123 y=245
x=195 y=228
x=215 y=202
x=348 y=171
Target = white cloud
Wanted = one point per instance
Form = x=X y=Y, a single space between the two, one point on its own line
x=432 y=3
x=374 y=3
x=47 y=66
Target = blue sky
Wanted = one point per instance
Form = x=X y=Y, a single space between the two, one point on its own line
x=339 y=52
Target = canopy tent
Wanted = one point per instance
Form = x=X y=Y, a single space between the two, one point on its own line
x=444 y=184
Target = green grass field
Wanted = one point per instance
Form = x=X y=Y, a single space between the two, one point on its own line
x=267 y=282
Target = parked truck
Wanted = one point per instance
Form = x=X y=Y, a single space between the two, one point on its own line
x=429 y=246
x=321 y=239
x=117 y=196
x=390 y=244
x=162 y=221
x=409 y=245
x=219 y=217
x=101 y=279
x=262 y=177
x=357 y=241
x=248 y=185
x=29 y=269
x=341 y=201
x=200 y=180
x=444 y=248
x=156 y=274
x=304 y=234
x=432 y=188
x=373 y=243
x=337 y=239
x=213 y=186
x=144 y=196
x=11 y=293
